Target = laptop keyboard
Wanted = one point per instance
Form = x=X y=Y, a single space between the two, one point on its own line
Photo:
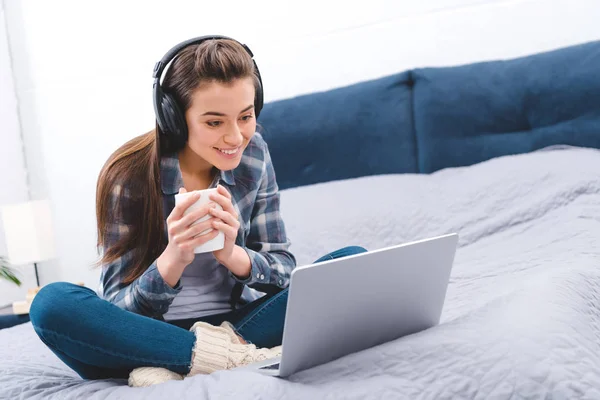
x=272 y=366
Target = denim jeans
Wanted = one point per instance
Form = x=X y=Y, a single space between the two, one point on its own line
x=99 y=340
x=8 y=321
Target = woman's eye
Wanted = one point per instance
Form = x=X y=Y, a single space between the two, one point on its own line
x=246 y=117
x=213 y=124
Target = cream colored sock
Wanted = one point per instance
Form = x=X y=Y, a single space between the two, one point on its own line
x=224 y=327
x=235 y=338
x=215 y=351
x=216 y=348
x=148 y=376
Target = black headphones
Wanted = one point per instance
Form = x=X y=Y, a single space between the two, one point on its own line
x=169 y=115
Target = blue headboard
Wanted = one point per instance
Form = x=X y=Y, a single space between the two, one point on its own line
x=363 y=129
x=423 y=120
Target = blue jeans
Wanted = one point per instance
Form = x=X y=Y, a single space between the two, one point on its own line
x=7 y=321
x=99 y=340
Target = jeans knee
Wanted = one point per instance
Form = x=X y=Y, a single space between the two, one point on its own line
x=343 y=252
x=353 y=250
x=348 y=251
x=57 y=304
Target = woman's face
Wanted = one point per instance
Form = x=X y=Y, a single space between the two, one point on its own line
x=221 y=122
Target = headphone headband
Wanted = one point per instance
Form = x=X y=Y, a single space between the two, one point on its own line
x=168 y=113
x=168 y=57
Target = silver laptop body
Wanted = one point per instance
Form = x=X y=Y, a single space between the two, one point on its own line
x=338 y=307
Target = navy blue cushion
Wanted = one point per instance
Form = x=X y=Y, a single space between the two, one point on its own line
x=471 y=113
x=358 y=130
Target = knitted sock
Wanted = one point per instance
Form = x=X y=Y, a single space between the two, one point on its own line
x=235 y=338
x=210 y=350
x=215 y=351
x=148 y=376
x=225 y=327
x=216 y=348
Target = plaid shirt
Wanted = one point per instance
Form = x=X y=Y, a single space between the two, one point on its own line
x=255 y=197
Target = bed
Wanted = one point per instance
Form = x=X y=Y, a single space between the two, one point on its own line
x=522 y=312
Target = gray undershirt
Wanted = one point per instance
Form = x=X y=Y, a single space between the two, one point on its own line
x=206 y=290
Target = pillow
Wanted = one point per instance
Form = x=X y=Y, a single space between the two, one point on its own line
x=471 y=113
x=358 y=130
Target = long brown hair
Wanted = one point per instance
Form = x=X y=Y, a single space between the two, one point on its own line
x=128 y=191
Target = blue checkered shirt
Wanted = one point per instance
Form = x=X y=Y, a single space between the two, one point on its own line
x=255 y=197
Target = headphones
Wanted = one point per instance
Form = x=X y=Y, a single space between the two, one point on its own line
x=169 y=115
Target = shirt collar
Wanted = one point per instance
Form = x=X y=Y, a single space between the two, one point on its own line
x=171 y=179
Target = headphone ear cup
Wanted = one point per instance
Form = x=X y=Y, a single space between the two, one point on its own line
x=174 y=121
x=258 y=96
x=258 y=101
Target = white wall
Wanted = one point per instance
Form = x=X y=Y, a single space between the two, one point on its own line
x=84 y=69
x=13 y=178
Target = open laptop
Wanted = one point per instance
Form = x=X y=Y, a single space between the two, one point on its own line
x=342 y=306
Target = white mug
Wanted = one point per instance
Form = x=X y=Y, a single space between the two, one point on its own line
x=214 y=244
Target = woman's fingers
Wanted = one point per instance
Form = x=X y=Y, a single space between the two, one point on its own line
x=195 y=215
x=195 y=230
x=221 y=189
x=200 y=240
x=180 y=208
x=225 y=217
x=228 y=230
x=182 y=226
x=223 y=201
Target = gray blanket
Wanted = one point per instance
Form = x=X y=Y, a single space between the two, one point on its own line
x=522 y=314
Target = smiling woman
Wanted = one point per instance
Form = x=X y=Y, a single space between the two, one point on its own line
x=220 y=124
x=165 y=312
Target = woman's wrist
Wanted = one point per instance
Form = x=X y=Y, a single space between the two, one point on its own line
x=170 y=272
x=238 y=263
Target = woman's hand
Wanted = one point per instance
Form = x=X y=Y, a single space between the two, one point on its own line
x=184 y=238
x=231 y=256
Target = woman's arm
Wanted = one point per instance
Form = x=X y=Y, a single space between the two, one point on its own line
x=267 y=245
x=152 y=292
x=149 y=294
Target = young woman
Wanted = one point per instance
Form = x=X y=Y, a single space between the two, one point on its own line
x=164 y=312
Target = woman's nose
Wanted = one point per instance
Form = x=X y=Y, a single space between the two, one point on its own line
x=234 y=137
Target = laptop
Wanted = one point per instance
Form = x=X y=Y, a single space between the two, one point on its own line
x=342 y=306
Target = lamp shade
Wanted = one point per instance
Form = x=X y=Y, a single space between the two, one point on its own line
x=28 y=231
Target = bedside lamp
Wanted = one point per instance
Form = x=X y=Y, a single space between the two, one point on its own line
x=28 y=232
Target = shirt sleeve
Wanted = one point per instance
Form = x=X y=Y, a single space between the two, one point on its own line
x=149 y=294
x=267 y=244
